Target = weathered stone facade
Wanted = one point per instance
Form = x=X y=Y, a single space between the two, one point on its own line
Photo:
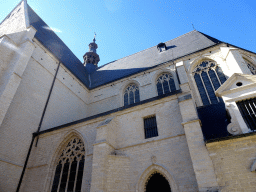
x=117 y=155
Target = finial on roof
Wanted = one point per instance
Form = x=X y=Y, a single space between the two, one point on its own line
x=193 y=26
x=94 y=37
x=91 y=58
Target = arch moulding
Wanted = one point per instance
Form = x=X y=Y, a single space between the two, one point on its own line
x=198 y=60
x=57 y=152
x=140 y=187
x=162 y=71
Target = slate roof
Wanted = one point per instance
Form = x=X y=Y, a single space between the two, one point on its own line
x=54 y=44
x=186 y=44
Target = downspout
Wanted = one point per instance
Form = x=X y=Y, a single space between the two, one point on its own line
x=36 y=134
x=46 y=104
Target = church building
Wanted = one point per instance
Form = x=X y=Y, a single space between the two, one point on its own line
x=176 y=117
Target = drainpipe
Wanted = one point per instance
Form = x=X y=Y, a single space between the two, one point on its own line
x=35 y=135
x=46 y=104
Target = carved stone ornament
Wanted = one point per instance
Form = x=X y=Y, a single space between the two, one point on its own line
x=153 y=159
x=252 y=68
x=234 y=129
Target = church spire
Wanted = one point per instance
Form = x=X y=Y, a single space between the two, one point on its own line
x=91 y=58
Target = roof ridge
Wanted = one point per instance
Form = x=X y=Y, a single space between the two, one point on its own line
x=145 y=49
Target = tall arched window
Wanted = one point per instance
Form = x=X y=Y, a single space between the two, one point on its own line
x=208 y=77
x=69 y=170
x=165 y=84
x=250 y=66
x=131 y=94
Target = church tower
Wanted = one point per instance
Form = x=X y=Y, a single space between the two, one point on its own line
x=91 y=58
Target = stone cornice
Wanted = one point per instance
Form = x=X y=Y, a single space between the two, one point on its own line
x=191 y=121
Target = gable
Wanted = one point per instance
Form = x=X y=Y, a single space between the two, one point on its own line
x=235 y=83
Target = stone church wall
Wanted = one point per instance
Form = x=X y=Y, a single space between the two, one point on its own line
x=232 y=160
x=68 y=101
x=24 y=113
x=113 y=92
x=130 y=155
x=43 y=157
x=15 y=22
x=22 y=119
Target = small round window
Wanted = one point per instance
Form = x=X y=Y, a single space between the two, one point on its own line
x=239 y=84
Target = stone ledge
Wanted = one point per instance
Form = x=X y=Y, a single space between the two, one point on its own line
x=230 y=137
x=191 y=121
x=184 y=98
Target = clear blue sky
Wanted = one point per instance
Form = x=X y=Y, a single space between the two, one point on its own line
x=125 y=27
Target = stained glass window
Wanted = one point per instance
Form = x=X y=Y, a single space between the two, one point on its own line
x=165 y=84
x=131 y=94
x=69 y=170
x=208 y=77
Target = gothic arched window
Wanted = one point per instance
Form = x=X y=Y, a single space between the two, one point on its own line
x=208 y=77
x=69 y=170
x=165 y=84
x=250 y=66
x=131 y=94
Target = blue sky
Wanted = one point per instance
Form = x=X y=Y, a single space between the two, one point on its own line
x=125 y=27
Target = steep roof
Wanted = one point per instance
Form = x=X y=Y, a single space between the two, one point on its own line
x=54 y=44
x=186 y=44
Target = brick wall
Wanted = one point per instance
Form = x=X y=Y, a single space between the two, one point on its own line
x=232 y=160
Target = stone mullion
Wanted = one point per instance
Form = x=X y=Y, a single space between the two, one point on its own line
x=60 y=175
x=169 y=85
x=217 y=75
x=205 y=88
x=128 y=92
x=133 y=95
x=77 y=166
x=207 y=72
x=68 y=176
x=162 y=87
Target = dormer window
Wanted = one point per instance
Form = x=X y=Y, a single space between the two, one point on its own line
x=161 y=47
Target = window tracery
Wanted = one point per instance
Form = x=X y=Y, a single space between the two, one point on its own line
x=208 y=77
x=165 y=84
x=250 y=66
x=131 y=94
x=69 y=170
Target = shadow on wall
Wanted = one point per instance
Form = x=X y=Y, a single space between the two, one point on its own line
x=214 y=121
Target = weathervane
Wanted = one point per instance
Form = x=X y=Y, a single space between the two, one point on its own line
x=193 y=26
